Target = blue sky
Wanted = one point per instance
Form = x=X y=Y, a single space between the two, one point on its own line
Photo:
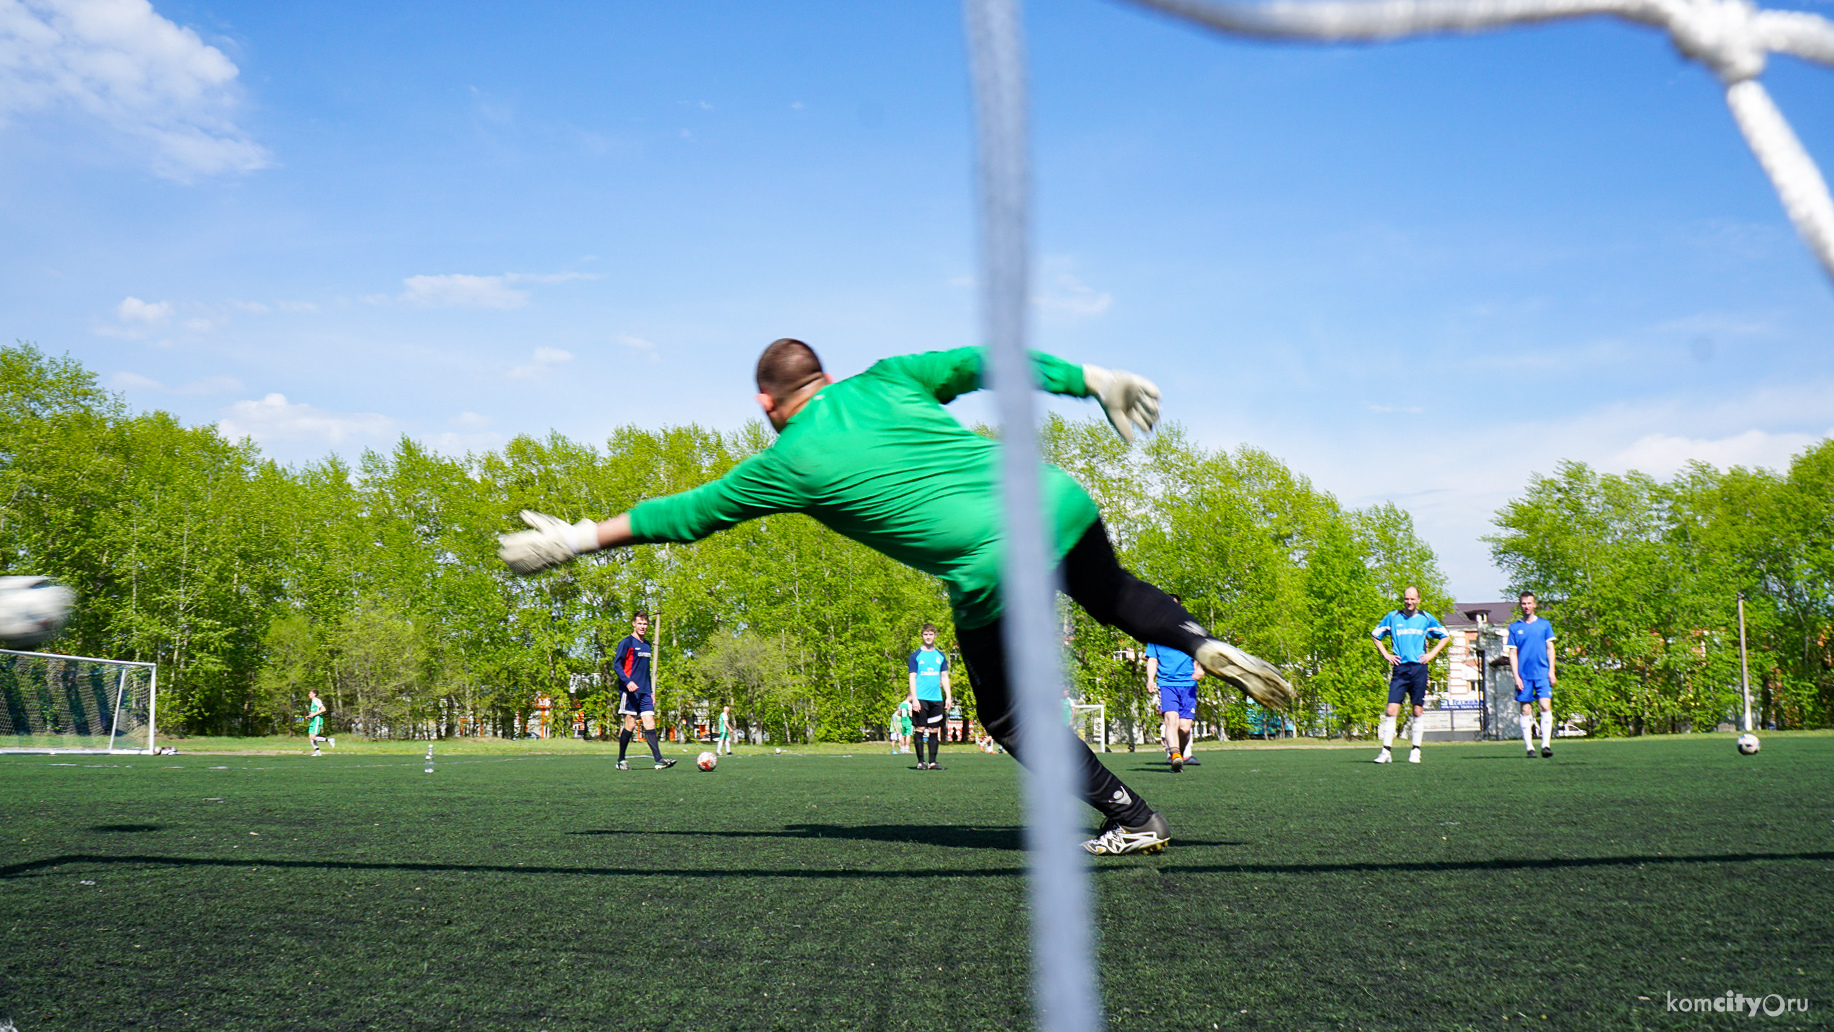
x=1417 y=272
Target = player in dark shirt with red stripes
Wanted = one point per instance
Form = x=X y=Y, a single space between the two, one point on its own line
x=636 y=698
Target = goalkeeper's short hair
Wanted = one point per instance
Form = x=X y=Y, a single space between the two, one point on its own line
x=787 y=366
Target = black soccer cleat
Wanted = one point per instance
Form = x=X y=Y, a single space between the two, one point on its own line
x=665 y=764
x=1192 y=761
x=1117 y=838
x=1547 y=752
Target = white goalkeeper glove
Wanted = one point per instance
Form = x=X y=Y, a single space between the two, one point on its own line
x=1128 y=399
x=550 y=543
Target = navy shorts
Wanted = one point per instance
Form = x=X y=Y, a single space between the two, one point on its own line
x=930 y=715
x=1180 y=699
x=636 y=703
x=1407 y=680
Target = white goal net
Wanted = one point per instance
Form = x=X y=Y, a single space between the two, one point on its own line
x=75 y=704
x=1091 y=725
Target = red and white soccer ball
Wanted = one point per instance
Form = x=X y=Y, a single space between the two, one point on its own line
x=706 y=761
x=32 y=610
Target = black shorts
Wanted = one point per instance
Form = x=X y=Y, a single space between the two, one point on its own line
x=1407 y=680
x=930 y=715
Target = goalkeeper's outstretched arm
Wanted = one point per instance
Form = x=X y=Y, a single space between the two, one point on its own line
x=550 y=542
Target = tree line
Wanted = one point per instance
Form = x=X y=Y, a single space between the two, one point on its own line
x=377 y=583
x=1642 y=579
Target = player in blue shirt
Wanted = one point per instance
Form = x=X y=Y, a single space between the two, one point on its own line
x=636 y=697
x=1531 y=659
x=1408 y=630
x=931 y=697
x=1174 y=675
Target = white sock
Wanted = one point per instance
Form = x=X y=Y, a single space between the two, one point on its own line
x=1419 y=728
x=1528 y=731
x=1547 y=728
x=1387 y=731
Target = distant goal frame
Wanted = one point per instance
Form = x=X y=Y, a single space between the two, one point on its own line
x=115 y=735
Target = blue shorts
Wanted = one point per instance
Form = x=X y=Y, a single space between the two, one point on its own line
x=1407 y=681
x=1534 y=688
x=1179 y=697
x=636 y=703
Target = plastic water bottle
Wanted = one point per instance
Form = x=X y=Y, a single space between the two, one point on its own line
x=429 y=757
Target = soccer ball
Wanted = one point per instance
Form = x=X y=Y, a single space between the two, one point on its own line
x=32 y=609
x=706 y=761
x=1748 y=743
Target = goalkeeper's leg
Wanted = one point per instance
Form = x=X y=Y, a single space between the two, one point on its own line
x=1094 y=578
x=984 y=654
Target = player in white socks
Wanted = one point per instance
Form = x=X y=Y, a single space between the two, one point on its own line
x=1531 y=659
x=1408 y=628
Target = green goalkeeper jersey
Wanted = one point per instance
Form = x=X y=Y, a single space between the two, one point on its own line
x=876 y=458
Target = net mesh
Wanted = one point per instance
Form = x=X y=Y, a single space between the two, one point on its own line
x=70 y=703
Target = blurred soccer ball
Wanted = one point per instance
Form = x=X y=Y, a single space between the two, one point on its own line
x=32 y=610
x=1748 y=743
x=706 y=761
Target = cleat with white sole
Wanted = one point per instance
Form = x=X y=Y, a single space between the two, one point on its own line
x=1117 y=838
x=622 y=765
x=665 y=764
x=1413 y=755
x=1384 y=757
x=1253 y=675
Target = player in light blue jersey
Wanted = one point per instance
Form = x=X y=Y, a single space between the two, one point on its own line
x=931 y=696
x=1172 y=676
x=1407 y=629
x=1531 y=659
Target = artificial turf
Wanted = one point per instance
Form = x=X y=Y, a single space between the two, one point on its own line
x=1307 y=889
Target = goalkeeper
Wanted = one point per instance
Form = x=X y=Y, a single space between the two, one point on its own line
x=877 y=459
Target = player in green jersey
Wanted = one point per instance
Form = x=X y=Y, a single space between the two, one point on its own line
x=727 y=732
x=315 y=721
x=876 y=458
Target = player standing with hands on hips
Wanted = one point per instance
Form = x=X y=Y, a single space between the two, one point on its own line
x=877 y=458
x=636 y=696
x=1531 y=659
x=931 y=696
x=1408 y=628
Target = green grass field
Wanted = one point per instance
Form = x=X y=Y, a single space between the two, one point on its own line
x=1307 y=889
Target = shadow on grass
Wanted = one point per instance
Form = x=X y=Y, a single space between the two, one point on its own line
x=29 y=867
x=956 y=836
x=126 y=828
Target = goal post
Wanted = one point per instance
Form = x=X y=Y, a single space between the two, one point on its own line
x=1091 y=724
x=51 y=703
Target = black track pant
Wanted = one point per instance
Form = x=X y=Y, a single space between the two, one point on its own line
x=1092 y=576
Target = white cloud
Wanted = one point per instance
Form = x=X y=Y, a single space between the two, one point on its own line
x=129 y=381
x=134 y=310
x=544 y=359
x=121 y=63
x=648 y=347
x=471 y=421
x=274 y=418
x=1072 y=297
x=1664 y=454
x=458 y=290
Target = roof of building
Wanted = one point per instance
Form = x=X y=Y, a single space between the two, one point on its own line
x=1464 y=614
